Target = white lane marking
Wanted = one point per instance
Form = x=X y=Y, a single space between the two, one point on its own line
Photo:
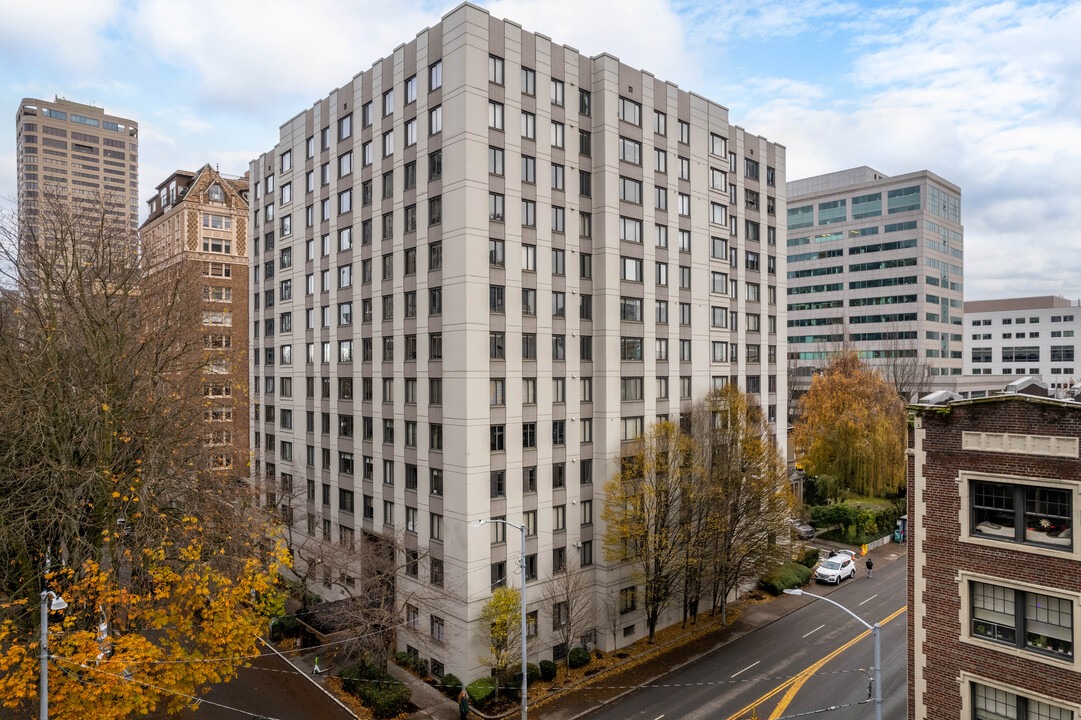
x=869 y=599
x=658 y=717
x=740 y=672
x=815 y=630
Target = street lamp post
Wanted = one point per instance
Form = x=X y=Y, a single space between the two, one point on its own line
x=525 y=674
x=56 y=604
x=875 y=632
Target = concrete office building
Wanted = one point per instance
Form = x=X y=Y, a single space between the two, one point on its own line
x=199 y=221
x=484 y=264
x=875 y=264
x=1023 y=336
x=994 y=574
x=79 y=153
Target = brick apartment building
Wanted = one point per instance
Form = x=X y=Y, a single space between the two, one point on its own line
x=199 y=220
x=994 y=578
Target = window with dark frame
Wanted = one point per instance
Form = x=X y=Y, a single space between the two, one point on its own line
x=1028 y=514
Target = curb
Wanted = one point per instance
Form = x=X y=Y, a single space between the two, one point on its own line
x=309 y=678
x=653 y=680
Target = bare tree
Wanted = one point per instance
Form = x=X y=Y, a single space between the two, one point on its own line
x=315 y=557
x=110 y=489
x=101 y=369
x=613 y=616
x=902 y=367
x=568 y=602
x=699 y=506
x=897 y=360
x=366 y=568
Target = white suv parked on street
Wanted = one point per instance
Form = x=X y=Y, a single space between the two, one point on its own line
x=835 y=569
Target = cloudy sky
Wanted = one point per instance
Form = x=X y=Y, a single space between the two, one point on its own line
x=986 y=94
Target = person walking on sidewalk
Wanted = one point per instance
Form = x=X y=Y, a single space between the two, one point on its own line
x=463 y=704
x=870 y=566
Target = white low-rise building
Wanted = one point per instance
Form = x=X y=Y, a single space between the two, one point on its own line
x=1023 y=336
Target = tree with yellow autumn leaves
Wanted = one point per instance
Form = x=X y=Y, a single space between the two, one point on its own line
x=851 y=432
x=747 y=500
x=501 y=632
x=108 y=495
x=643 y=515
x=696 y=510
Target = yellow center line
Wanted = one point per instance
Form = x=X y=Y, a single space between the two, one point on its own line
x=795 y=687
x=793 y=684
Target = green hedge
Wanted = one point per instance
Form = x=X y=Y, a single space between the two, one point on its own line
x=451 y=685
x=382 y=694
x=809 y=557
x=533 y=674
x=283 y=627
x=386 y=701
x=789 y=575
x=579 y=657
x=857 y=524
x=547 y=670
x=418 y=666
x=354 y=675
x=481 y=691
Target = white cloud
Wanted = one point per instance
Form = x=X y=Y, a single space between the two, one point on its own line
x=187 y=120
x=250 y=65
x=68 y=34
x=251 y=54
x=975 y=93
x=985 y=93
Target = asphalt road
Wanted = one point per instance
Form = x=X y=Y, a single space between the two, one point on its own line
x=814 y=645
x=271 y=688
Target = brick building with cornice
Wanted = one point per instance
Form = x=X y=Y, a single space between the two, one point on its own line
x=994 y=583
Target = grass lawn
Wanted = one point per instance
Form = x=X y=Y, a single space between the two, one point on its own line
x=871 y=503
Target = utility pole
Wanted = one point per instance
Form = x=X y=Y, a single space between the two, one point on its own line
x=875 y=632
x=525 y=630
x=56 y=604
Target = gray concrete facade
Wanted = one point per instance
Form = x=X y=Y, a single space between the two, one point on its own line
x=517 y=257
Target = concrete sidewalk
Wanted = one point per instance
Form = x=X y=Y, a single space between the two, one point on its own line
x=429 y=701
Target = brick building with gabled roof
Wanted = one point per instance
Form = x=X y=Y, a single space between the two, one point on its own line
x=200 y=220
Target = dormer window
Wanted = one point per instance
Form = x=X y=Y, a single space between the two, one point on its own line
x=216 y=194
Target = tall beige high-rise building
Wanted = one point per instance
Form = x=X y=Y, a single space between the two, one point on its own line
x=77 y=152
x=481 y=267
x=876 y=265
